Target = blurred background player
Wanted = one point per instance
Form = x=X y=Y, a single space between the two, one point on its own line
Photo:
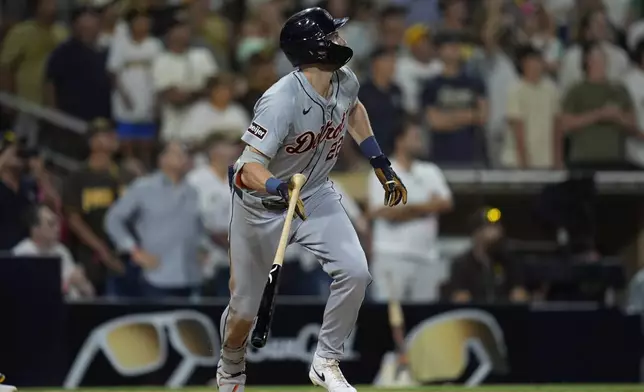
x=406 y=264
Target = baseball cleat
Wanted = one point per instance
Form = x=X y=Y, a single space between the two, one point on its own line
x=227 y=382
x=326 y=373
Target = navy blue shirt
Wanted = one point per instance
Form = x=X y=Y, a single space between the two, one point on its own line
x=385 y=112
x=465 y=145
x=79 y=75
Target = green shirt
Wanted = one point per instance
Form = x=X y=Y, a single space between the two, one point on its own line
x=602 y=141
x=25 y=51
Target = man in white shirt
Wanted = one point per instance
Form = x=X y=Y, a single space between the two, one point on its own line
x=44 y=231
x=134 y=97
x=405 y=263
x=216 y=113
x=634 y=83
x=413 y=70
x=181 y=74
x=594 y=27
x=211 y=183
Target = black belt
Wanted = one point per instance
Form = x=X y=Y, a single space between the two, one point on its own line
x=271 y=205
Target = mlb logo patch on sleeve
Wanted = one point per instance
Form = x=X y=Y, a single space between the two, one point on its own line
x=257 y=130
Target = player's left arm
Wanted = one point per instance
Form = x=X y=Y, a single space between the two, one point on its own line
x=360 y=130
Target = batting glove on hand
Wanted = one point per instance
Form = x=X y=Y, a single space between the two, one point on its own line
x=285 y=191
x=395 y=190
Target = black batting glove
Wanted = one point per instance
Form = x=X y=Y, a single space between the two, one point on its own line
x=395 y=190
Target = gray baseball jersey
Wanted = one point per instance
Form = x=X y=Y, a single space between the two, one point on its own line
x=301 y=131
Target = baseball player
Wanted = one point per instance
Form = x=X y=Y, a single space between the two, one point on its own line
x=298 y=126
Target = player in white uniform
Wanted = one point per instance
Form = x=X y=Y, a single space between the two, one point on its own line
x=298 y=127
x=406 y=265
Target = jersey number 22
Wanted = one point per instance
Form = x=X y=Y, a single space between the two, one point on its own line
x=335 y=149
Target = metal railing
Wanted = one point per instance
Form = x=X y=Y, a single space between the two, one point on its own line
x=27 y=124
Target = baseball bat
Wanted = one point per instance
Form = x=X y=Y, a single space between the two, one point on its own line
x=267 y=305
x=397 y=325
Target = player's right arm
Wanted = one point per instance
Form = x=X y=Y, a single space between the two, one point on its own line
x=272 y=121
x=255 y=175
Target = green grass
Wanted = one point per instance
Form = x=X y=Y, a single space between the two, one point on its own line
x=504 y=388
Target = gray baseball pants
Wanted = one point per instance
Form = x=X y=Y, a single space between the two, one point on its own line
x=327 y=232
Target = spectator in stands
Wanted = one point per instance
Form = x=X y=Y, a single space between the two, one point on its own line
x=181 y=74
x=415 y=69
x=128 y=284
x=498 y=72
x=423 y=11
x=540 y=31
x=46 y=183
x=131 y=169
x=635 y=30
x=216 y=113
x=211 y=30
x=254 y=39
x=597 y=116
x=634 y=83
x=43 y=240
x=133 y=97
x=455 y=21
x=532 y=113
x=260 y=75
x=406 y=263
x=17 y=194
x=594 y=28
x=391 y=27
x=454 y=16
x=382 y=97
x=164 y=14
x=635 y=298
x=361 y=33
x=456 y=108
x=25 y=51
x=211 y=183
x=486 y=273
x=112 y=28
x=77 y=80
x=165 y=242
x=87 y=195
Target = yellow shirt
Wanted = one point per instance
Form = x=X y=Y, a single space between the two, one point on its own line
x=26 y=50
x=536 y=106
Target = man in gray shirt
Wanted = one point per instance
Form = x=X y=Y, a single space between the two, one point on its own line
x=164 y=211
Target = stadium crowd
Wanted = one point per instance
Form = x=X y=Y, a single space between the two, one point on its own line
x=167 y=88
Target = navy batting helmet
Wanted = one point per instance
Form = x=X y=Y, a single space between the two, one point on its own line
x=310 y=37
